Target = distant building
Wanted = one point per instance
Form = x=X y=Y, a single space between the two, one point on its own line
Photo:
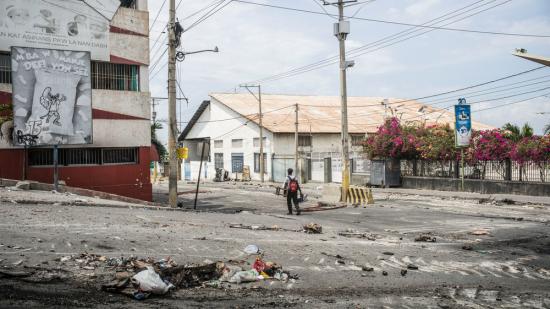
x=116 y=33
x=229 y=124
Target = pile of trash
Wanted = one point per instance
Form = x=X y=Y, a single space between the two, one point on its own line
x=142 y=277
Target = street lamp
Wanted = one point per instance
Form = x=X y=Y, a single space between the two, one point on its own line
x=180 y=56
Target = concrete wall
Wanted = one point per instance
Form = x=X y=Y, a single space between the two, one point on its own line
x=479 y=186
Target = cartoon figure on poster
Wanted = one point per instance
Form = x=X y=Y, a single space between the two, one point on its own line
x=52 y=97
x=463 y=125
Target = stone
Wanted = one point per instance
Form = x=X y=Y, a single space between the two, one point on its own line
x=23 y=185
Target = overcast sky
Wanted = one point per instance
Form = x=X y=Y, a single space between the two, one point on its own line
x=256 y=42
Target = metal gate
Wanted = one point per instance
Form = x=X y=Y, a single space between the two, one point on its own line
x=280 y=166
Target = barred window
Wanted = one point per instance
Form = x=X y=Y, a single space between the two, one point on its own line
x=256 y=141
x=218 y=160
x=5 y=69
x=304 y=140
x=115 y=76
x=84 y=156
x=237 y=162
x=357 y=139
x=257 y=163
x=237 y=143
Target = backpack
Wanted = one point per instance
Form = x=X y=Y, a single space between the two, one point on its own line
x=292 y=185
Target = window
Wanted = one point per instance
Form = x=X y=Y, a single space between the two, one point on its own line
x=304 y=140
x=237 y=143
x=218 y=144
x=357 y=139
x=131 y=4
x=257 y=163
x=218 y=160
x=237 y=162
x=114 y=76
x=5 y=69
x=84 y=156
x=256 y=141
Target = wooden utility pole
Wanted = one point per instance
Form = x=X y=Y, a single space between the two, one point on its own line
x=262 y=167
x=172 y=125
x=341 y=32
x=296 y=165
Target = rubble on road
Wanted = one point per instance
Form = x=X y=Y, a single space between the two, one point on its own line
x=479 y=232
x=354 y=233
x=425 y=237
x=313 y=228
x=140 y=278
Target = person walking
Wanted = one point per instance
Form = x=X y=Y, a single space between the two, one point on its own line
x=292 y=187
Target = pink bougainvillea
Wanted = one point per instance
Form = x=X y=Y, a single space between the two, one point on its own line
x=490 y=145
x=533 y=148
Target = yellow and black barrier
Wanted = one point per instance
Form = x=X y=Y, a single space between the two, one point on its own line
x=360 y=196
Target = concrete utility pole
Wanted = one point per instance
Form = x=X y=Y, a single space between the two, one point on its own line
x=296 y=165
x=341 y=30
x=172 y=125
x=259 y=98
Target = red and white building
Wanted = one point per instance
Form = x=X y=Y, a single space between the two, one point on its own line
x=118 y=160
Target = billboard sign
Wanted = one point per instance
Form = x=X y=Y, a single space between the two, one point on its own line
x=52 y=97
x=55 y=24
x=463 y=124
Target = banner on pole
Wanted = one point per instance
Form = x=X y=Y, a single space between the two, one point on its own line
x=463 y=124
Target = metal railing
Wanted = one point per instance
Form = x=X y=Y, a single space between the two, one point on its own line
x=485 y=170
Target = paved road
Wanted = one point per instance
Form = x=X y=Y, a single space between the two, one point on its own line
x=509 y=267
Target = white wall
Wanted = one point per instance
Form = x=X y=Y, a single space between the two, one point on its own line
x=214 y=124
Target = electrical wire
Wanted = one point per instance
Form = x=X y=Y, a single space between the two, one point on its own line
x=158 y=13
x=397 y=23
x=512 y=103
x=210 y=13
x=376 y=46
x=330 y=60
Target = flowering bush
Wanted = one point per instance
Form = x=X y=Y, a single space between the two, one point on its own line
x=392 y=141
x=436 y=143
x=533 y=148
x=490 y=145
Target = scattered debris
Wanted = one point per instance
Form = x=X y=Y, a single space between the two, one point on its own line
x=251 y=249
x=18 y=263
x=323 y=206
x=258 y=227
x=403 y=272
x=412 y=267
x=341 y=262
x=384 y=273
x=148 y=281
x=357 y=234
x=387 y=253
x=313 y=228
x=426 y=237
x=480 y=232
x=467 y=247
x=367 y=268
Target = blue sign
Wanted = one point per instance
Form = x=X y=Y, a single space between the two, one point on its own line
x=463 y=124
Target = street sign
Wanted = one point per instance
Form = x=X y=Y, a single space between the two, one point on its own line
x=463 y=124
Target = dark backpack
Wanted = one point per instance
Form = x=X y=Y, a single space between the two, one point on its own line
x=292 y=185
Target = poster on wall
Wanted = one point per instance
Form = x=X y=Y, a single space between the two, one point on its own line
x=52 y=97
x=55 y=24
x=463 y=125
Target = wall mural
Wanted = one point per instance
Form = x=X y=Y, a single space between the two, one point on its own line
x=52 y=97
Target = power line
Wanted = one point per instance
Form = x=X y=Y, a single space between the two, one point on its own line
x=395 y=22
x=402 y=33
x=158 y=13
x=210 y=13
x=512 y=103
x=356 y=52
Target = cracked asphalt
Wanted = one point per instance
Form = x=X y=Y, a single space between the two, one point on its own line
x=486 y=255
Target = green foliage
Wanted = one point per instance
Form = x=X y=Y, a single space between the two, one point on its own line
x=163 y=153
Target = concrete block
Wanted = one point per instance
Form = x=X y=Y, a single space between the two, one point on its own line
x=23 y=185
x=331 y=194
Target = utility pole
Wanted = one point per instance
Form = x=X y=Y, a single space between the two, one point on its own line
x=296 y=165
x=172 y=125
x=259 y=98
x=341 y=31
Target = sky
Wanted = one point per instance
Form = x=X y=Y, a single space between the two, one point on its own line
x=257 y=42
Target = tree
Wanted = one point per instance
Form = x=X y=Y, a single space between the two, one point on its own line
x=163 y=153
x=514 y=133
x=547 y=129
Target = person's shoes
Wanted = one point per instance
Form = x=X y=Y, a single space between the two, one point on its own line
x=298 y=213
x=290 y=214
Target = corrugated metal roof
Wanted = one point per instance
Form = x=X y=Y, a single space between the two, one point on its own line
x=321 y=114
